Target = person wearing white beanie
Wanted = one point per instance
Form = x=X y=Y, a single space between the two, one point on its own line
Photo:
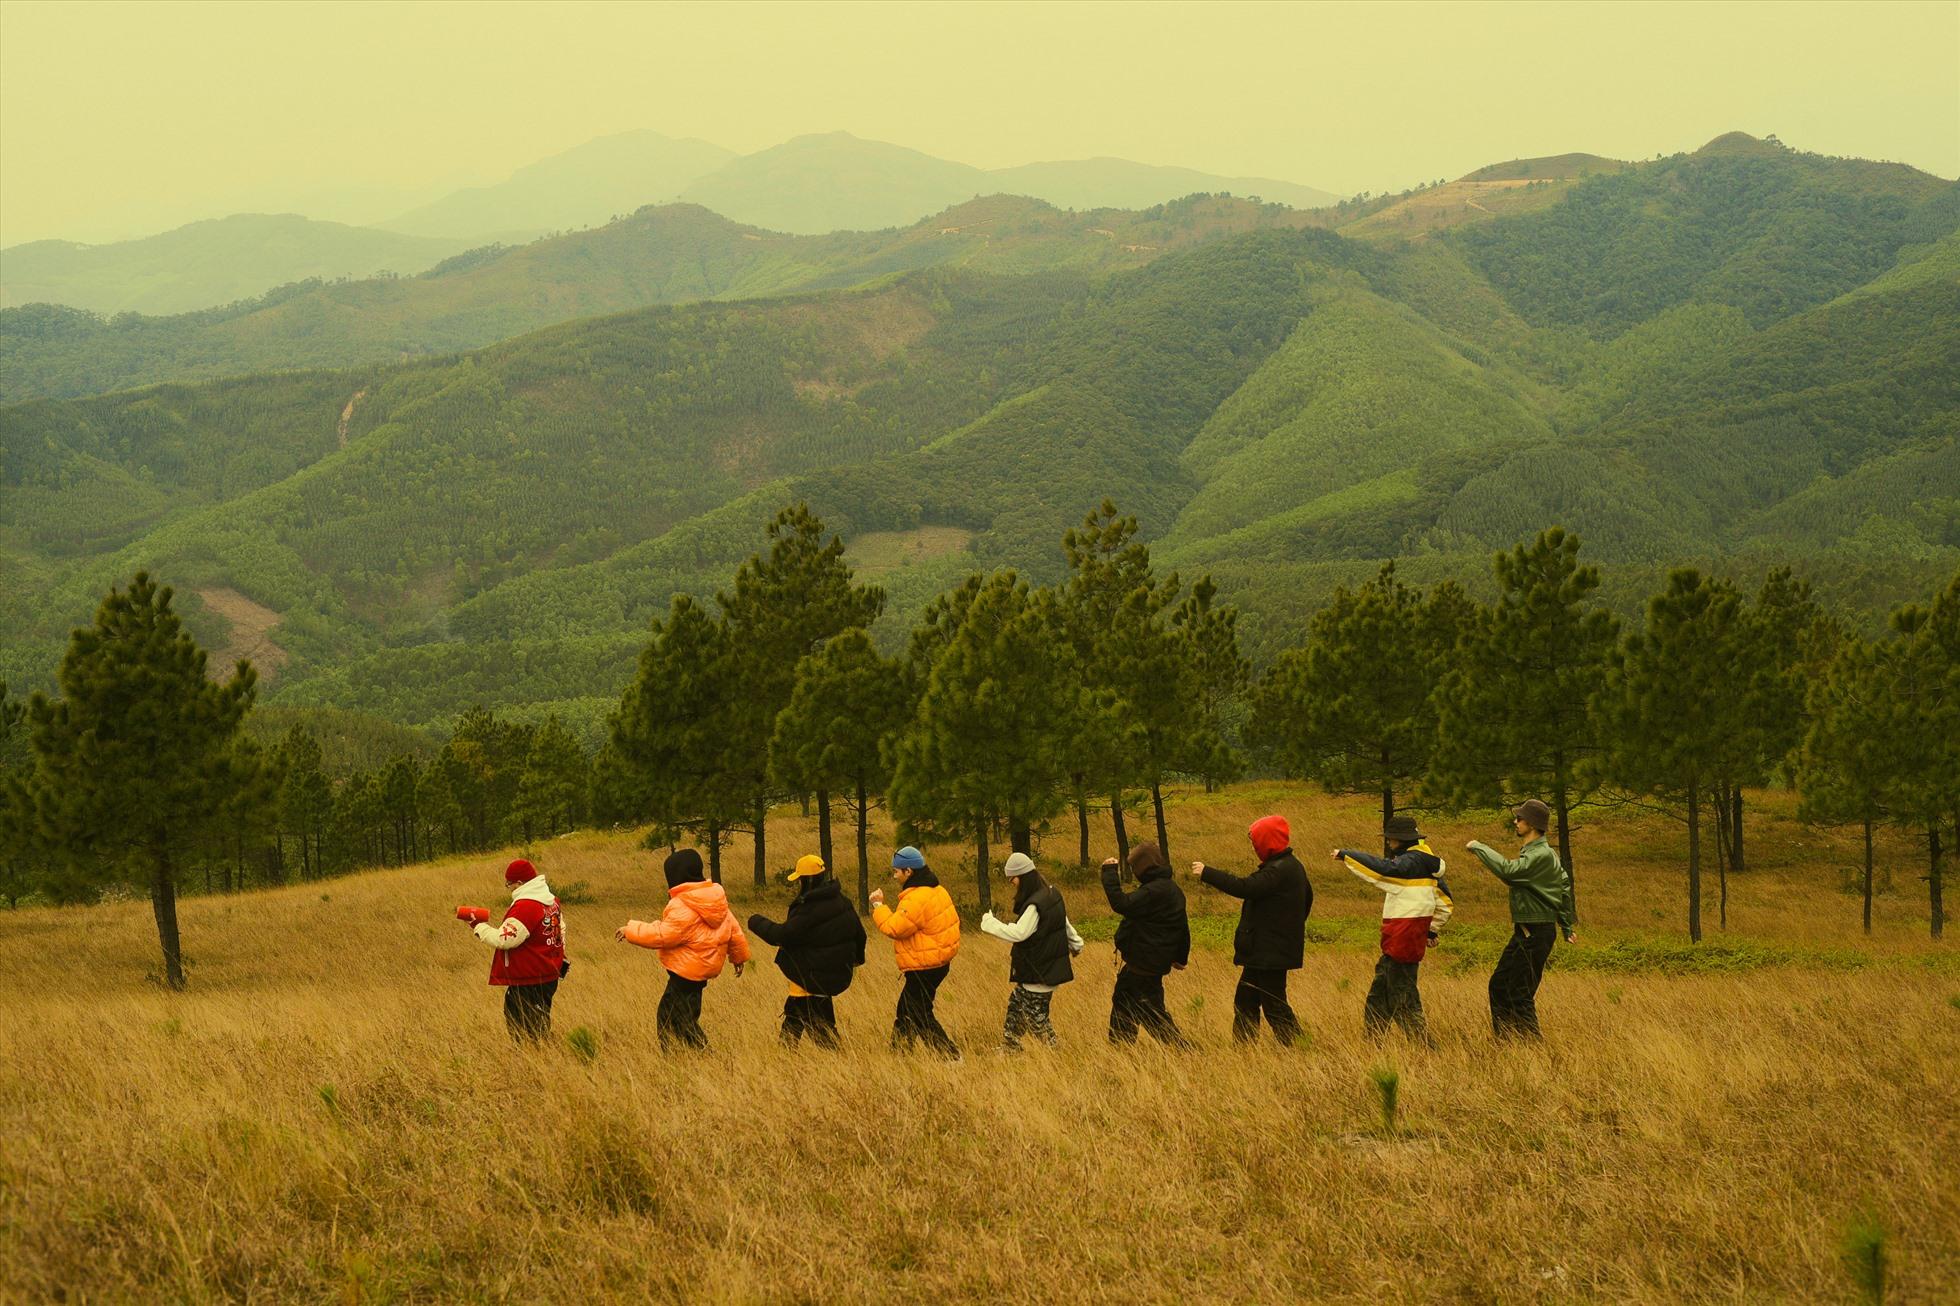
x=1043 y=940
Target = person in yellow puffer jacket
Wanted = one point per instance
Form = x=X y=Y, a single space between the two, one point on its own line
x=925 y=932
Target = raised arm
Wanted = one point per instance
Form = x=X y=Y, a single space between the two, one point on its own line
x=1112 y=884
x=1022 y=928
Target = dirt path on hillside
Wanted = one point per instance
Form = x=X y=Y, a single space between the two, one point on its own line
x=251 y=635
x=347 y=415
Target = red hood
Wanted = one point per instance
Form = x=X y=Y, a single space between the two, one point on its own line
x=1270 y=837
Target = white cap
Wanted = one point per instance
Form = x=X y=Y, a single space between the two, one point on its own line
x=1018 y=864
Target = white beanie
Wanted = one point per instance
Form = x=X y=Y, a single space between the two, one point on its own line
x=1018 y=864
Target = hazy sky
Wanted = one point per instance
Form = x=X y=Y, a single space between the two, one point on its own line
x=122 y=119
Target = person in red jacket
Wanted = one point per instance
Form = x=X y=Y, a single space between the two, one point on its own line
x=530 y=952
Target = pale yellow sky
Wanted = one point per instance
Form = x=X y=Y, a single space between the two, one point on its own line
x=121 y=119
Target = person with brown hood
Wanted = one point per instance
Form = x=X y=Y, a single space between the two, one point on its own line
x=1153 y=940
x=693 y=936
x=1272 y=935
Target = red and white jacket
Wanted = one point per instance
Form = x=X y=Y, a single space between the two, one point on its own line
x=1415 y=896
x=530 y=942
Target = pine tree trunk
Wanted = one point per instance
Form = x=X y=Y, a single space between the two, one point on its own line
x=1935 y=902
x=1722 y=856
x=1388 y=810
x=714 y=851
x=981 y=853
x=1122 y=834
x=1694 y=861
x=1082 y=820
x=1735 y=830
x=823 y=829
x=1562 y=810
x=1868 y=875
x=163 y=901
x=761 y=842
x=1163 y=834
x=864 y=853
x=1020 y=838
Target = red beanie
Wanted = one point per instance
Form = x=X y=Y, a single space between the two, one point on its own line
x=1270 y=837
x=519 y=871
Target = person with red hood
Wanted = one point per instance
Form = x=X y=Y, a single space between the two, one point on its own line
x=530 y=952
x=693 y=936
x=1272 y=935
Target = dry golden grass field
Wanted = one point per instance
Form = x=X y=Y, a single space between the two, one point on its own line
x=332 y=1112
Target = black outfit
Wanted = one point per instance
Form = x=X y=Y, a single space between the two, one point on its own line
x=1154 y=938
x=915 y=1019
x=1042 y=957
x=527 y=1010
x=679 y=1015
x=1514 y=984
x=1394 y=997
x=1270 y=941
x=818 y=947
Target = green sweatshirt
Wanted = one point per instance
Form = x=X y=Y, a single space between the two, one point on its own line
x=1541 y=891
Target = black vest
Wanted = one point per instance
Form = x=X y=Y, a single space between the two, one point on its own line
x=1042 y=957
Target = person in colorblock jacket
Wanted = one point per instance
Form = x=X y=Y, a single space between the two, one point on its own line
x=1415 y=904
x=530 y=952
x=925 y=932
x=1153 y=940
x=693 y=936
x=819 y=946
x=1043 y=940
x=1541 y=908
x=1272 y=935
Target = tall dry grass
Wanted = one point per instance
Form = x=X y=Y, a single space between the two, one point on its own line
x=333 y=1112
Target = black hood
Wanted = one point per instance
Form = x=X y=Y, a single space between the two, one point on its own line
x=682 y=867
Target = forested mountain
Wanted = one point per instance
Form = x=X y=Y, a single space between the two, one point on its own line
x=207 y=263
x=668 y=254
x=1743 y=356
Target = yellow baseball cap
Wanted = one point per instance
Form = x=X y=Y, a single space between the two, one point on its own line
x=809 y=864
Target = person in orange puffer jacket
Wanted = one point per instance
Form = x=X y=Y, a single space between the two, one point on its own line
x=693 y=936
x=925 y=933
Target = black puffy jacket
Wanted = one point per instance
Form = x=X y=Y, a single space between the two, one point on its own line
x=820 y=943
x=1155 y=935
x=1272 y=933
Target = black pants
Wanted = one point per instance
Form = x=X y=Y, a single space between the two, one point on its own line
x=679 y=1019
x=915 y=1022
x=1138 y=1002
x=527 y=1010
x=815 y=1015
x=1514 y=984
x=1263 y=992
x=1393 y=997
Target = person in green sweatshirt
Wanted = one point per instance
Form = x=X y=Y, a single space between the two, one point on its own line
x=1541 y=908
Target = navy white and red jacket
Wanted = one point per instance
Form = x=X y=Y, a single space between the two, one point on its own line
x=1415 y=896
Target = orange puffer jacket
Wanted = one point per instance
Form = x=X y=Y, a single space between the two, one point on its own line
x=925 y=927
x=695 y=934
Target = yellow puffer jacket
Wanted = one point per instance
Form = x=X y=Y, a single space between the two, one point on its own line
x=925 y=927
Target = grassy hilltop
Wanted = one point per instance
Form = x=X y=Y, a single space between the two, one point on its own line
x=1704 y=1124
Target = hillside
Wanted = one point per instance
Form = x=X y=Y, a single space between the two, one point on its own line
x=1282 y=405
x=207 y=263
x=586 y=186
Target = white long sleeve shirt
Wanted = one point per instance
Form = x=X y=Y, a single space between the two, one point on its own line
x=1023 y=929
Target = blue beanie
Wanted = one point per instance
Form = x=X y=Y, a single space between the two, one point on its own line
x=908 y=858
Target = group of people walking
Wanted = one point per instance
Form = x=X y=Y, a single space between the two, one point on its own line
x=821 y=942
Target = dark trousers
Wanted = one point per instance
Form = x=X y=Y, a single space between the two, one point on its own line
x=1027 y=1015
x=679 y=1017
x=915 y=1022
x=527 y=1010
x=815 y=1015
x=1138 y=1002
x=1514 y=984
x=1263 y=992
x=1393 y=997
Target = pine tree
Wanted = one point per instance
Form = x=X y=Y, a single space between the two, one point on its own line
x=399 y=780
x=784 y=604
x=1354 y=708
x=1921 y=688
x=1841 y=773
x=848 y=706
x=551 y=792
x=305 y=797
x=1673 y=710
x=1515 y=712
x=16 y=810
x=133 y=761
x=435 y=802
x=251 y=814
x=1220 y=675
x=988 y=744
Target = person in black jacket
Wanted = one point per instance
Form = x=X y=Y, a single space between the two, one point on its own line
x=1153 y=940
x=818 y=946
x=1272 y=934
x=1043 y=940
